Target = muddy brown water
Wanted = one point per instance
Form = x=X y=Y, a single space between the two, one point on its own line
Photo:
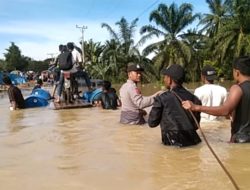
x=88 y=149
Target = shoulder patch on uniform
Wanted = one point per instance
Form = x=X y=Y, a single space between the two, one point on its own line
x=137 y=91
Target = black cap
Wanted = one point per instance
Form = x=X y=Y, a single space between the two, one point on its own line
x=134 y=67
x=176 y=72
x=209 y=72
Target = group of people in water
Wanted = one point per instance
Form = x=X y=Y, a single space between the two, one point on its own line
x=171 y=109
x=176 y=110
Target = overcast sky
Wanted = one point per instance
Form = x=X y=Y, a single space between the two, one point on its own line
x=37 y=27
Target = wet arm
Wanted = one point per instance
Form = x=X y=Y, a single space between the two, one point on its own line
x=119 y=103
x=13 y=104
x=227 y=108
x=155 y=114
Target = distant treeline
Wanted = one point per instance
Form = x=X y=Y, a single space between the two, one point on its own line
x=223 y=34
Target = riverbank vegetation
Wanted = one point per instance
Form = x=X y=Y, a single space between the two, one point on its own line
x=219 y=37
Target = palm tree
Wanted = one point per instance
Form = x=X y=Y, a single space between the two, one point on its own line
x=111 y=54
x=233 y=38
x=170 y=22
x=214 y=20
x=121 y=49
x=93 y=51
x=198 y=46
x=100 y=70
x=212 y=23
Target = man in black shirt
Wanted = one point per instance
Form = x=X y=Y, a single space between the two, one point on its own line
x=178 y=128
x=15 y=94
x=108 y=98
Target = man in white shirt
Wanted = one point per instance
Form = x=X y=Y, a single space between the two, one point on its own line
x=210 y=94
x=76 y=58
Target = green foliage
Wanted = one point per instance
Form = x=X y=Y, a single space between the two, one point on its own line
x=121 y=49
x=213 y=21
x=170 y=23
x=37 y=66
x=224 y=35
x=14 y=60
x=2 y=63
x=228 y=27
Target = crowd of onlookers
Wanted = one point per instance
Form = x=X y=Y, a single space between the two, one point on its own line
x=19 y=77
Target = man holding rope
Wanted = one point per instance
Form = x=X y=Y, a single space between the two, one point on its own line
x=237 y=104
x=178 y=128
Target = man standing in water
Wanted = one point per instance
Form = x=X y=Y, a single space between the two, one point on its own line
x=178 y=128
x=14 y=93
x=237 y=103
x=132 y=100
x=209 y=93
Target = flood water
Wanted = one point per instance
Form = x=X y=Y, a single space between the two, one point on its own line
x=87 y=149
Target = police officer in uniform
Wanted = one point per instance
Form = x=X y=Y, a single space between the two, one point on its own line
x=133 y=102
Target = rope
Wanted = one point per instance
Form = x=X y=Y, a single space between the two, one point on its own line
x=209 y=146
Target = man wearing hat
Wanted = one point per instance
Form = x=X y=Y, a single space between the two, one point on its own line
x=237 y=103
x=178 y=128
x=132 y=100
x=210 y=94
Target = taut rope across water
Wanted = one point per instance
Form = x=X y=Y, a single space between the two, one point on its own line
x=209 y=146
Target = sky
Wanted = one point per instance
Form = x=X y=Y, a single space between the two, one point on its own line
x=37 y=27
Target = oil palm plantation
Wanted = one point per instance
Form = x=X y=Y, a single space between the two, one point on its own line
x=123 y=39
x=170 y=22
x=214 y=20
x=198 y=46
x=233 y=38
x=121 y=49
x=93 y=57
x=113 y=57
x=227 y=33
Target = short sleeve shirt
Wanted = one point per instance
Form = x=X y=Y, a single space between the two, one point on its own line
x=211 y=95
x=15 y=94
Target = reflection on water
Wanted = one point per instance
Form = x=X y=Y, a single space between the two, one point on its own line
x=87 y=148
